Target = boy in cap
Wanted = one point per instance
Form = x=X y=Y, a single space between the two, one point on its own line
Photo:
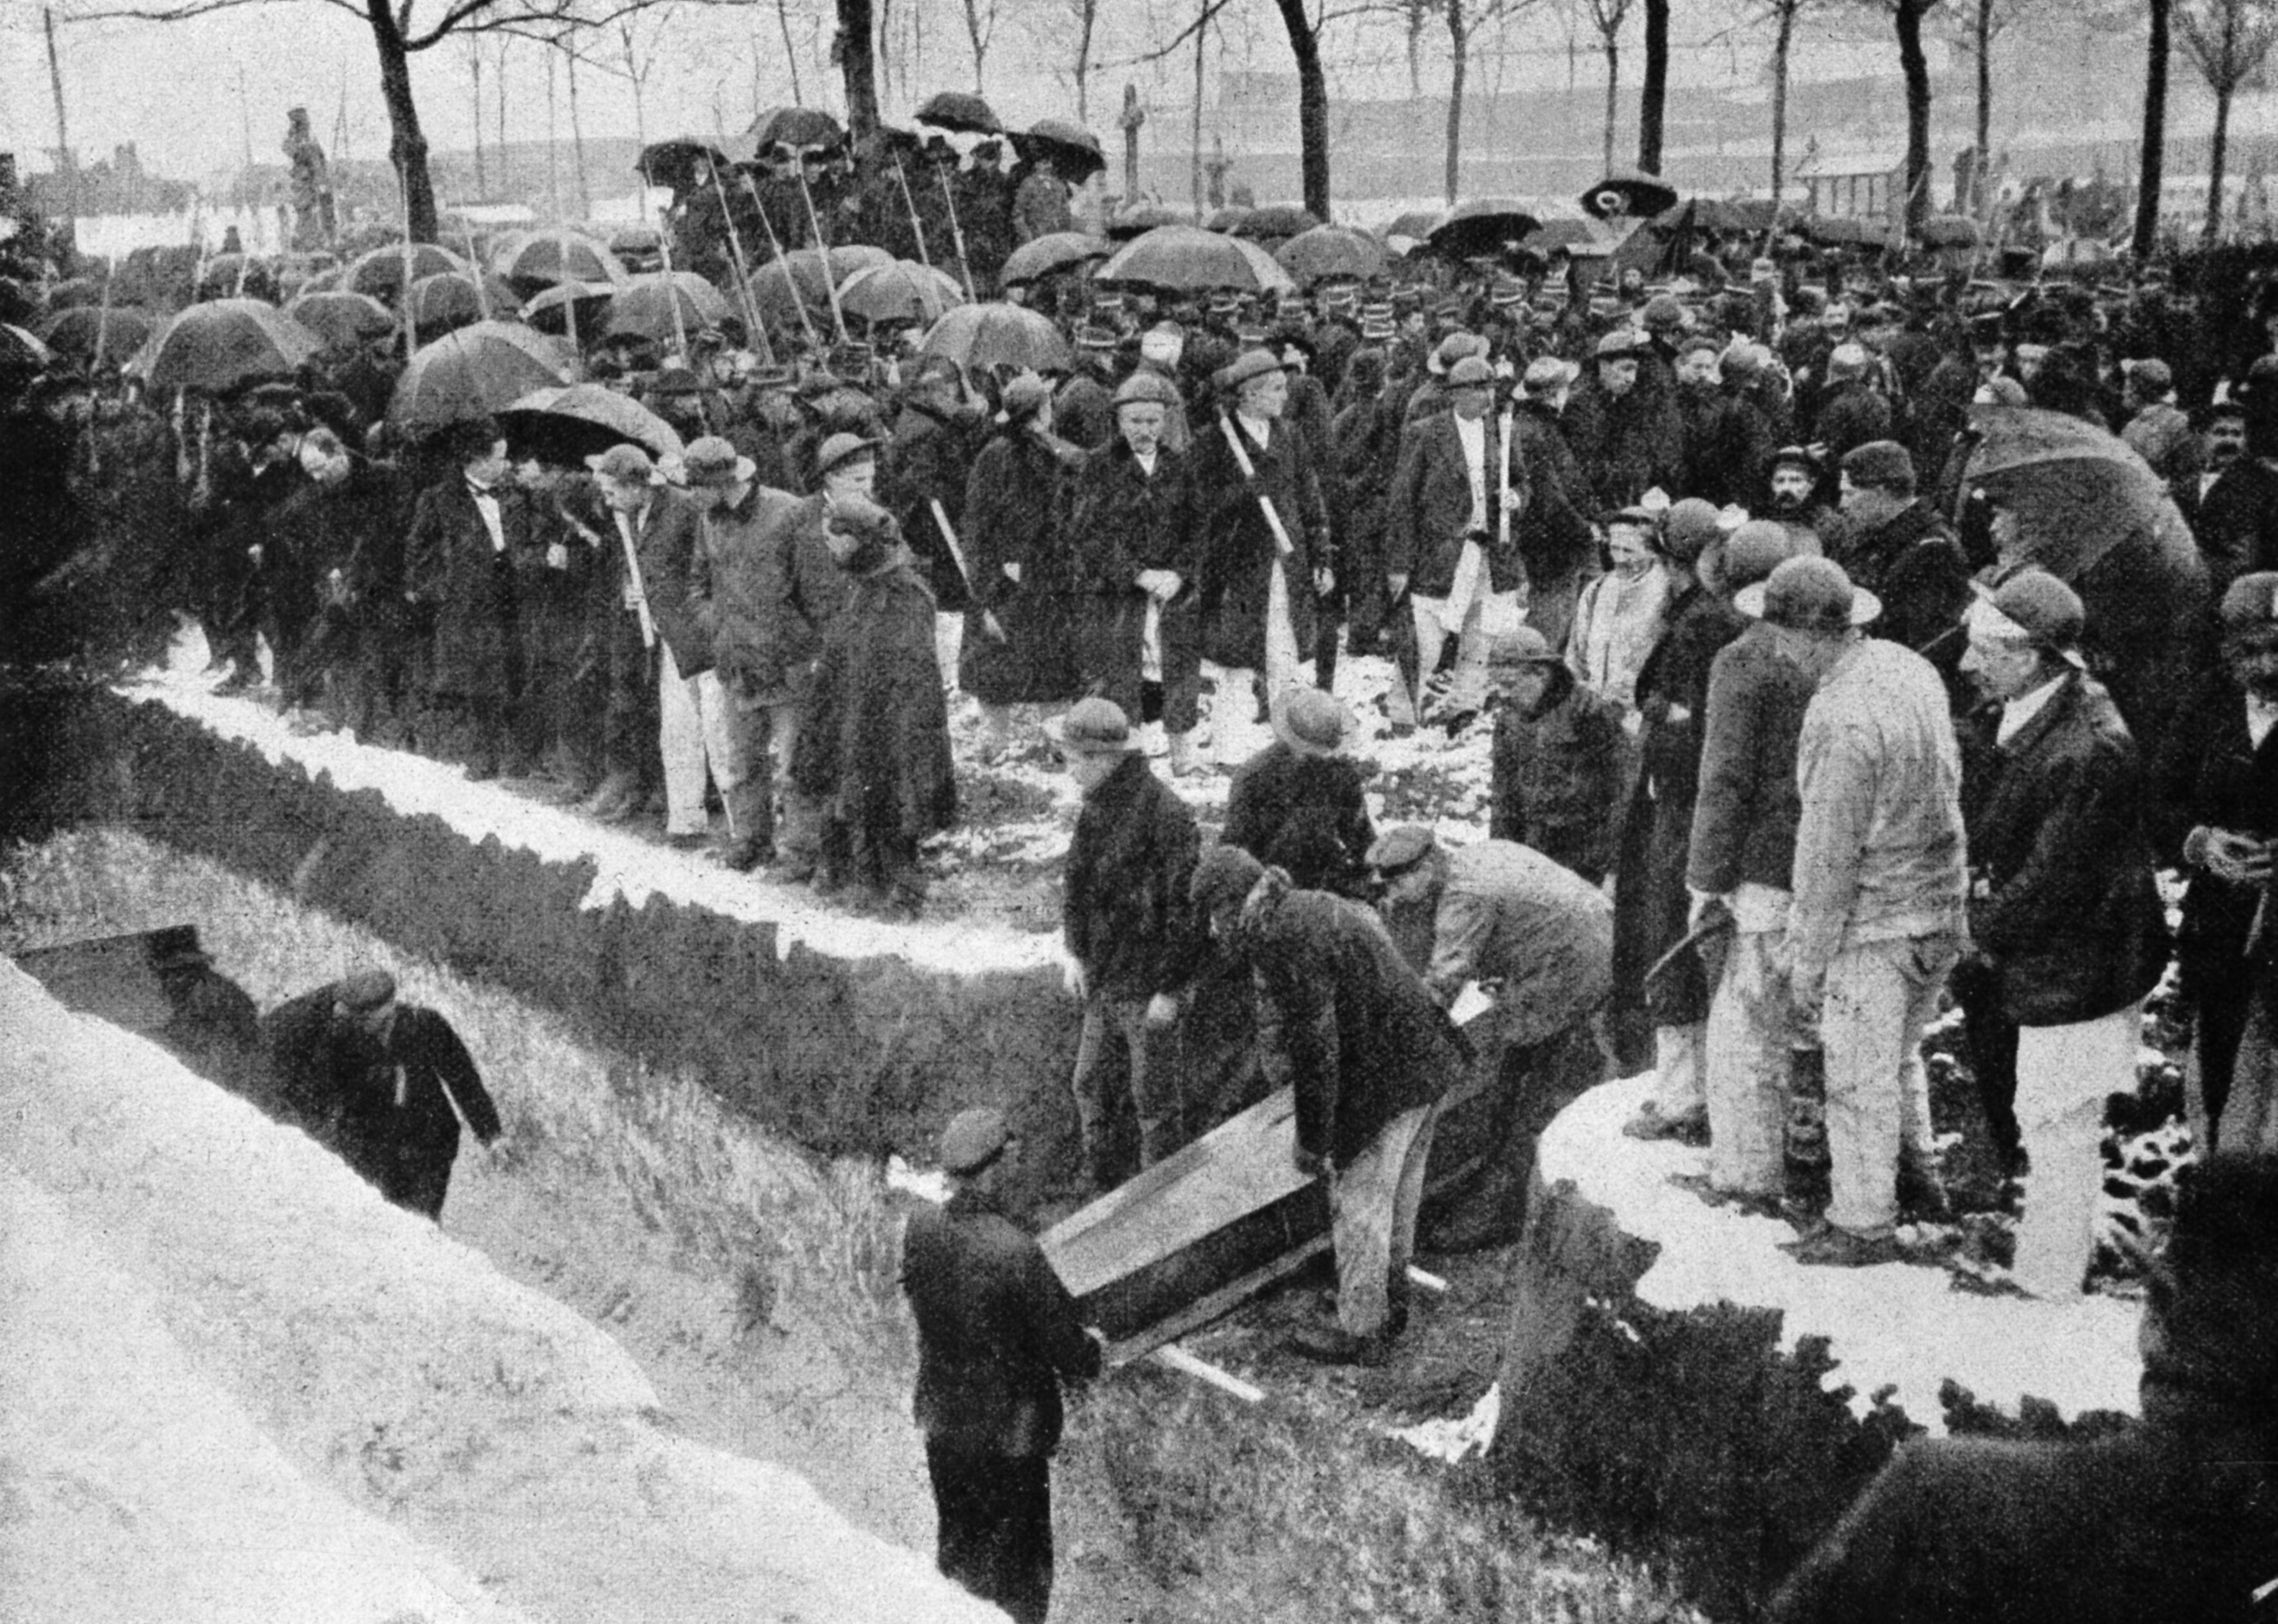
x=1559 y=764
x=2064 y=906
x=1132 y=940
x=999 y=1339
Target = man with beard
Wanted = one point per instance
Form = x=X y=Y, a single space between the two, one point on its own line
x=2224 y=435
x=1727 y=443
x=1627 y=441
x=1794 y=480
x=2237 y=527
x=381 y=1084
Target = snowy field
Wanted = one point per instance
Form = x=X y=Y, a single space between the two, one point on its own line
x=239 y=1387
x=1899 y=1326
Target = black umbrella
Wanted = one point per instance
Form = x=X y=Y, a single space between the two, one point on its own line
x=564 y=426
x=979 y=336
x=450 y=299
x=645 y=305
x=1188 y=259
x=960 y=110
x=472 y=373
x=1416 y=224
x=1482 y=225
x=1137 y=220
x=380 y=273
x=550 y=310
x=75 y=290
x=677 y=162
x=78 y=332
x=225 y=344
x=531 y=259
x=1053 y=251
x=1227 y=218
x=341 y=319
x=1328 y=251
x=1069 y=148
x=1629 y=191
x=1277 y=221
x=798 y=127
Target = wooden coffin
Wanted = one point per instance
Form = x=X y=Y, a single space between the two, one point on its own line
x=110 y=977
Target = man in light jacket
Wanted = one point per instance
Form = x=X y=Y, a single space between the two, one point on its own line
x=1876 y=922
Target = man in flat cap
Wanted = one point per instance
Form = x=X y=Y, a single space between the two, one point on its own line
x=2064 y=906
x=1877 y=922
x=1900 y=548
x=1557 y=543
x=1448 y=547
x=998 y=1339
x=381 y=1084
x=1135 y=532
x=1537 y=941
x=2218 y=792
x=1629 y=440
x=1133 y=944
x=1352 y=1030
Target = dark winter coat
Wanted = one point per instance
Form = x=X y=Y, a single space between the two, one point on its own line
x=997 y=1333
x=1558 y=774
x=1746 y=803
x=328 y=527
x=390 y=1111
x=667 y=537
x=1120 y=520
x=1850 y=416
x=875 y=746
x=464 y=586
x=2058 y=821
x=2211 y=776
x=1012 y=517
x=2236 y=525
x=1428 y=511
x=1125 y=914
x=1916 y=566
x=1728 y=447
x=1555 y=537
x=927 y=460
x=766 y=591
x=1238 y=549
x=213 y=1028
x=1626 y=446
x=1343 y=1019
x=1307 y=814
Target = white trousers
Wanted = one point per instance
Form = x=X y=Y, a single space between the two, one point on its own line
x=1880 y=997
x=2063 y=1073
x=1373 y=1205
x=1474 y=632
x=1236 y=733
x=1747 y=1055
x=693 y=733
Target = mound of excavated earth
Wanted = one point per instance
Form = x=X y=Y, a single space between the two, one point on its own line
x=1677 y=1384
x=238 y=1387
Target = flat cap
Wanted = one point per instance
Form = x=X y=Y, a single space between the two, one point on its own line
x=1093 y=727
x=1312 y=723
x=625 y=464
x=1146 y=386
x=1247 y=367
x=1847 y=361
x=1548 y=373
x=1224 y=876
x=1470 y=372
x=1454 y=347
x=2032 y=606
x=1399 y=849
x=1524 y=646
x=842 y=448
x=1885 y=464
x=366 y=987
x=1622 y=342
x=2151 y=376
x=973 y=1139
x=1025 y=395
x=1797 y=456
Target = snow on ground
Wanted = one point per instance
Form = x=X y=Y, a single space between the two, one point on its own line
x=1899 y=1325
x=247 y=1359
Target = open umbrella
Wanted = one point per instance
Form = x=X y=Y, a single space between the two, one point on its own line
x=380 y=272
x=629 y=242
x=1276 y=222
x=533 y=259
x=1629 y=191
x=75 y=290
x=1137 y=220
x=1482 y=226
x=1069 y=148
x=342 y=320
x=1416 y=224
x=959 y=109
x=798 y=127
x=450 y=299
x=679 y=163
x=76 y=333
x=472 y=373
x=1328 y=251
x=550 y=310
x=997 y=335
x=19 y=351
x=645 y=305
x=1187 y=259
x=1227 y=219
x=566 y=425
x=325 y=281
x=782 y=285
x=901 y=292
x=225 y=344
x=1051 y=253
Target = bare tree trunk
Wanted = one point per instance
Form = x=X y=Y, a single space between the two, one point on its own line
x=577 y=142
x=1613 y=96
x=1781 y=42
x=1313 y=106
x=1655 y=98
x=856 y=53
x=1194 y=137
x=475 y=74
x=2151 y=176
x=979 y=39
x=407 y=145
x=2218 y=153
x=1087 y=20
x=1459 y=45
x=1984 y=106
x=1414 y=20
x=791 y=53
x=1916 y=66
x=67 y=160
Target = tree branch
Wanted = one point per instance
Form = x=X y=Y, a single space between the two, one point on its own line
x=1209 y=14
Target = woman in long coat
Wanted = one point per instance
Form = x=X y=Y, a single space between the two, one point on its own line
x=1018 y=646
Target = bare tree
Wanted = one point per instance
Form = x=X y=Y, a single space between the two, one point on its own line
x=1974 y=29
x=400 y=31
x=1464 y=19
x=475 y=74
x=1304 y=30
x=2229 y=40
x=854 y=52
x=2152 y=174
x=1906 y=19
x=1086 y=23
x=981 y=31
x=1607 y=17
x=1782 y=14
x=1654 y=97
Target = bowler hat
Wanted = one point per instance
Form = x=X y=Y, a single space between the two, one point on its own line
x=1754 y=551
x=1885 y=464
x=1472 y=372
x=842 y=448
x=1225 y=875
x=2032 y=606
x=2249 y=605
x=1146 y=386
x=713 y=461
x=1247 y=367
x=1688 y=528
x=1025 y=395
x=1808 y=594
x=973 y=1139
x=626 y=465
x=1312 y=723
x=1524 y=646
x=1661 y=311
x=2153 y=377
x=1093 y=727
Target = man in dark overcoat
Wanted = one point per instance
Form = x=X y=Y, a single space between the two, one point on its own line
x=1132 y=531
x=2064 y=906
x=1257 y=604
x=1133 y=943
x=1898 y=547
x=212 y=1024
x=1017 y=647
x=1628 y=439
x=1301 y=804
x=1557 y=543
x=926 y=459
x=381 y=1084
x=469 y=531
x=998 y=1338
x=1352 y=1030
